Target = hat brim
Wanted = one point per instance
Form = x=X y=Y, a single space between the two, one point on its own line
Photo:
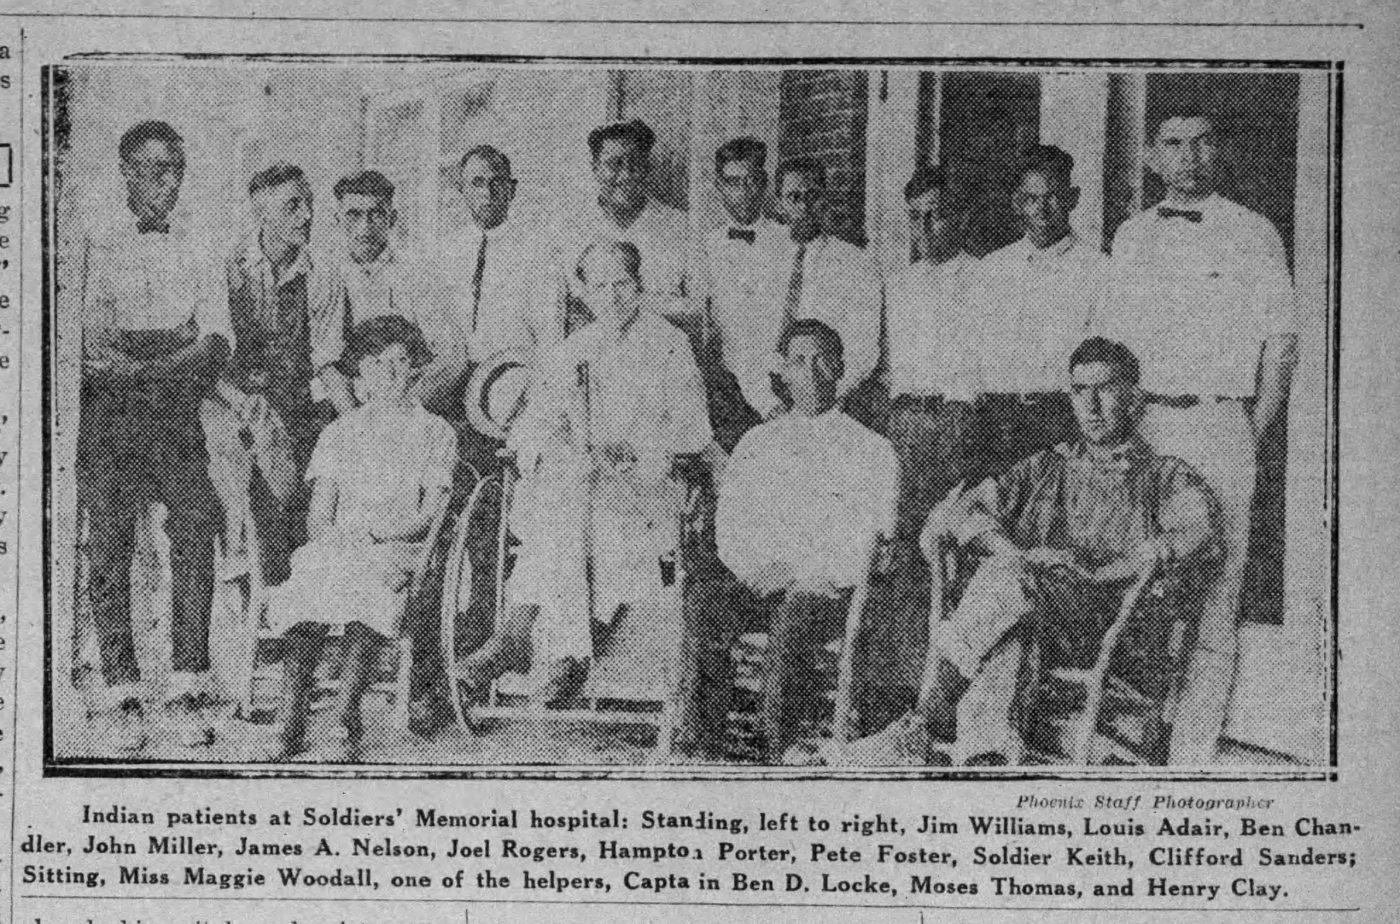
x=488 y=375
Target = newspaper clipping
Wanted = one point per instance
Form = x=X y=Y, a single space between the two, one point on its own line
x=789 y=463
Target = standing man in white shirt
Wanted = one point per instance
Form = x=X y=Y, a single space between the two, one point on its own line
x=504 y=276
x=155 y=335
x=1034 y=298
x=823 y=278
x=933 y=346
x=1200 y=289
x=745 y=258
x=624 y=210
x=372 y=280
x=801 y=499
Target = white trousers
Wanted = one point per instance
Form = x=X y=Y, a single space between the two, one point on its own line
x=1217 y=440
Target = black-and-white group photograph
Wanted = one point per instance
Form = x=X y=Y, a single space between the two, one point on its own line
x=884 y=419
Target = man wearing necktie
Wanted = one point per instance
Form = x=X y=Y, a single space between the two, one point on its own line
x=744 y=256
x=822 y=277
x=1200 y=289
x=155 y=335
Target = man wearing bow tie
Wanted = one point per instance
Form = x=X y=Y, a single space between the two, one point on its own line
x=1200 y=288
x=744 y=257
x=155 y=335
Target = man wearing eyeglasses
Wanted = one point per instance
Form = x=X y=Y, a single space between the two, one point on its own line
x=624 y=210
x=1033 y=300
x=155 y=334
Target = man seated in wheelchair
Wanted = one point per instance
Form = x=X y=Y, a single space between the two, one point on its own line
x=800 y=504
x=379 y=475
x=1064 y=532
x=596 y=510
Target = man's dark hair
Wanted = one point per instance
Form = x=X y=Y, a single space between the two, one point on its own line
x=492 y=155
x=1186 y=111
x=631 y=257
x=924 y=179
x=1055 y=164
x=750 y=149
x=1109 y=352
x=372 y=337
x=365 y=183
x=275 y=175
x=808 y=166
x=828 y=341
x=141 y=132
x=636 y=131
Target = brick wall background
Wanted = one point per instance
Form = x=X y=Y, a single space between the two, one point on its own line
x=823 y=114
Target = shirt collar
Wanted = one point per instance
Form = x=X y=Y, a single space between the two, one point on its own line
x=815 y=245
x=380 y=264
x=761 y=225
x=1034 y=254
x=178 y=220
x=1211 y=203
x=644 y=217
x=257 y=261
x=1130 y=453
x=475 y=232
x=956 y=265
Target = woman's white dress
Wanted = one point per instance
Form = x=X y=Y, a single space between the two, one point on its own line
x=380 y=464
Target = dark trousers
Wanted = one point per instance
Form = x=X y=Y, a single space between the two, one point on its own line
x=800 y=625
x=939 y=443
x=281 y=521
x=1021 y=426
x=134 y=453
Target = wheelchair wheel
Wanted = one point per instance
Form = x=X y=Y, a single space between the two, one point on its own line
x=471 y=591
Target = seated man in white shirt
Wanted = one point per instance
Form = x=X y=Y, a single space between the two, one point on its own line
x=799 y=504
x=596 y=509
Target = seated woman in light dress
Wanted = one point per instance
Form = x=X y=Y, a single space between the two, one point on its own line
x=379 y=475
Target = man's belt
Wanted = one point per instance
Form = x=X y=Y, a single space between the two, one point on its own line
x=919 y=402
x=1182 y=402
x=1022 y=397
